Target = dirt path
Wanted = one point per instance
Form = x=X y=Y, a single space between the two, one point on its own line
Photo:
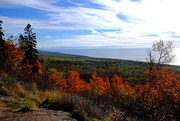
x=40 y=114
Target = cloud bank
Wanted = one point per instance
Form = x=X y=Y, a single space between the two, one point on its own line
x=111 y=22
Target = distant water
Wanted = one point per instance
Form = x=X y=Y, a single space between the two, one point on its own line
x=126 y=54
x=136 y=54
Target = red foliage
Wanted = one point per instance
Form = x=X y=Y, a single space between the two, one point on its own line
x=162 y=91
x=121 y=90
x=71 y=84
x=98 y=85
x=74 y=83
x=13 y=56
x=55 y=78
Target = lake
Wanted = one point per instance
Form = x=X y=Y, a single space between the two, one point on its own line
x=136 y=54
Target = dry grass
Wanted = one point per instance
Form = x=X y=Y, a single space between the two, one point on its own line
x=27 y=95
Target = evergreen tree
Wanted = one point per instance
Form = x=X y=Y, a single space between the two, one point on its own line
x=28 y=45
x=2 y=44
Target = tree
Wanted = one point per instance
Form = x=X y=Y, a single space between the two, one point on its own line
x=2 y=44
x=13 y=56
x=161 y=53
x=28 y=45
x=162 y=95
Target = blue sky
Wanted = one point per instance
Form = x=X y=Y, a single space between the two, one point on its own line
x=97 y=23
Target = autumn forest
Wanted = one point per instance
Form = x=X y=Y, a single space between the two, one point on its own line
x=103 y=89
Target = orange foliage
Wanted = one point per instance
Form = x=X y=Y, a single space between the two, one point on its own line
x=121 y=90
x=115 y=89
x=161 y=93
x=40 y=67
x=27 y=67
x=13 y=55
x=14 y=58
x=163 y=90
x=74 y=83
x=55 y=78
x=98 y=85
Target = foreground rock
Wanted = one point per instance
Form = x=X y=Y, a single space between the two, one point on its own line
x=40 y=114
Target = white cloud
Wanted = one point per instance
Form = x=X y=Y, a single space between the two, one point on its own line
x=48 y=37
x=154 y=17
x=100 y=39
x=37 y=4
x=17 y=25
x=158 y=15
x=95 y=32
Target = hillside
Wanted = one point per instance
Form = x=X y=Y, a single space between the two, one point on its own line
x=88 y=88
x=131 y=71
x=58 y=54
x=81 y=86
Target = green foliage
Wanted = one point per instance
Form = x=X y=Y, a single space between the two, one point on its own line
x=17 y=105
x=5 y=79
x=131 y=71
x=1 y=32
x=104 y=95
x=2 y=44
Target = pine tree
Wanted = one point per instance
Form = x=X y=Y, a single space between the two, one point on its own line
x=2 y=44
x=28 y=45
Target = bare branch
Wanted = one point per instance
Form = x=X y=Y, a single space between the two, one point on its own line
x=163 y=51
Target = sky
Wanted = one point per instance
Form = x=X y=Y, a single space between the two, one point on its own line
x=93 y=23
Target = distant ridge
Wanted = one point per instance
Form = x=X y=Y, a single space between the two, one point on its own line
x=58 y=54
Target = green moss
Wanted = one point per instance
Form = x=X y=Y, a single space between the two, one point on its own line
x=4 y=101
x=21 y=95
x=3 y=92
x=18 y=105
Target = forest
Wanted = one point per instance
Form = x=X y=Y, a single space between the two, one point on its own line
x=89 y=88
